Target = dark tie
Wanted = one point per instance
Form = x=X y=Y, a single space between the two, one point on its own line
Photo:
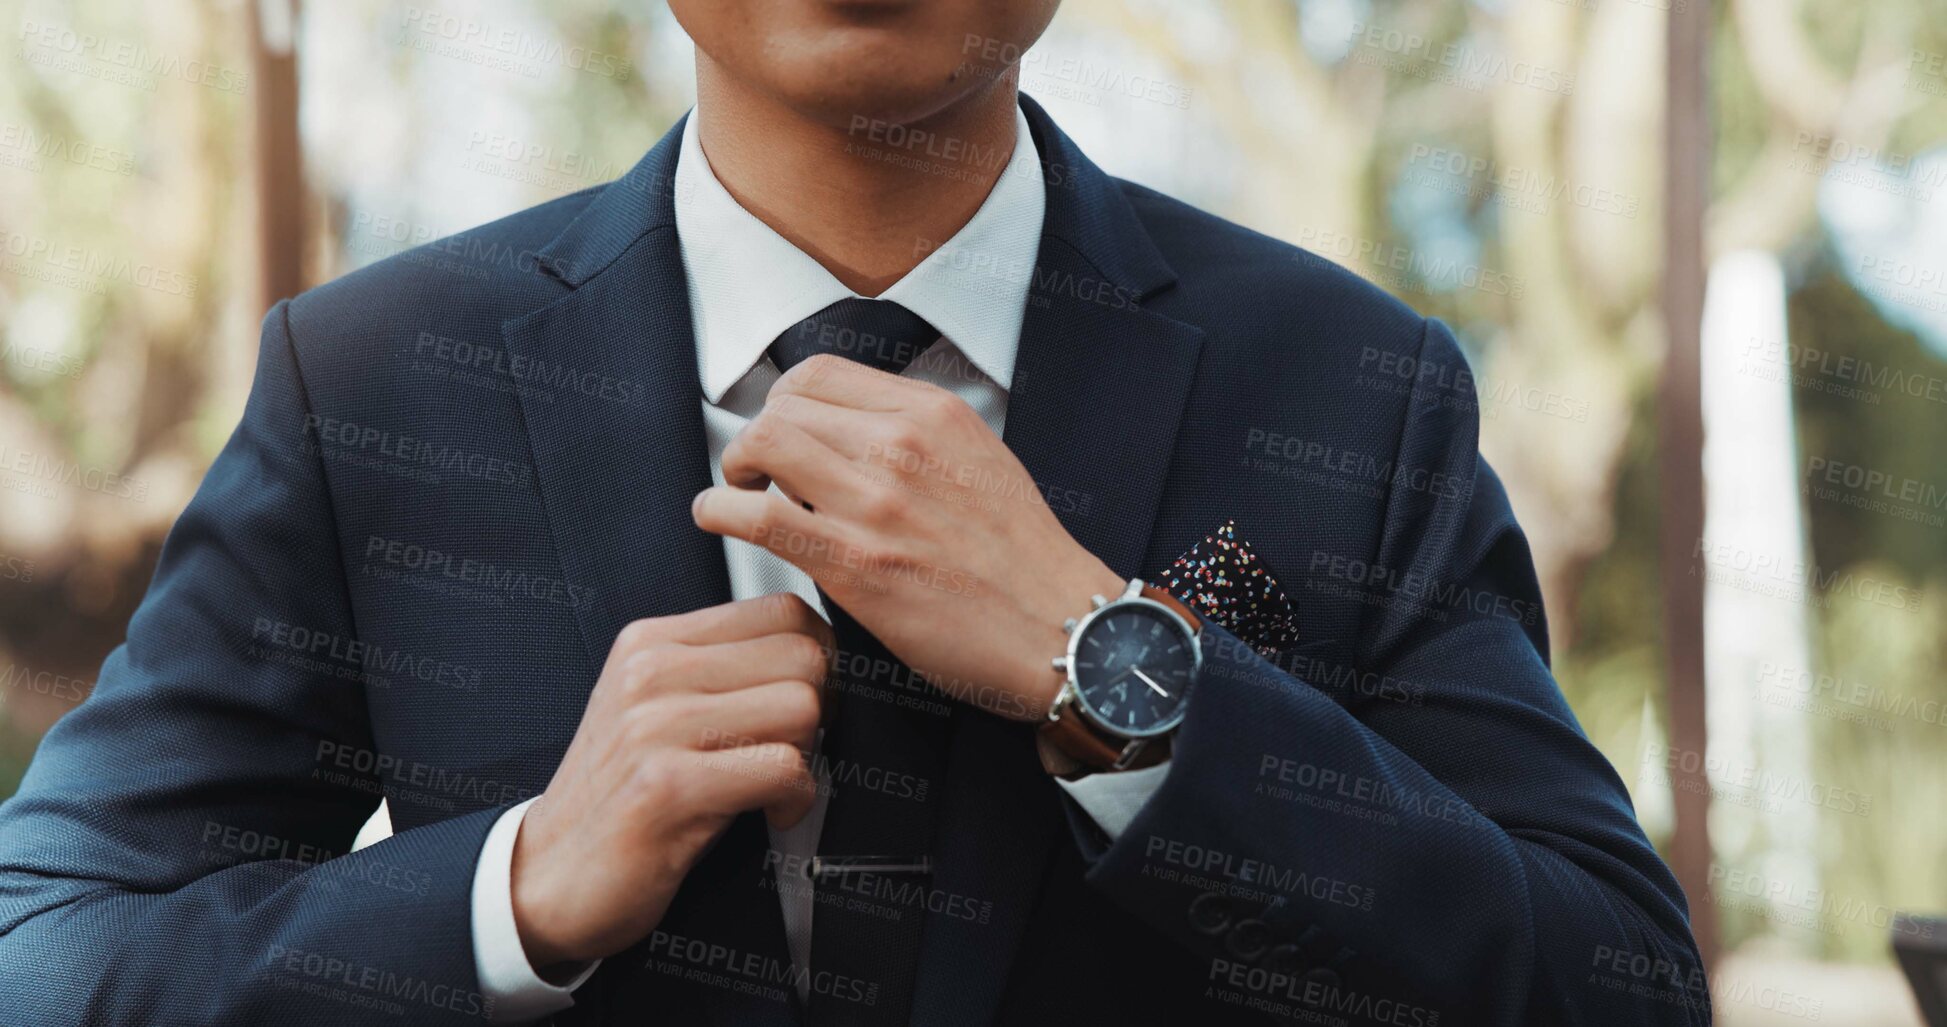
x=877 y=333
x=884 y=751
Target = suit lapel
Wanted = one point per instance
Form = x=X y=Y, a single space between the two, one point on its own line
x=1098 y=394
x=1100 y=385
x=1100 y=382
x=617 y=470
x=619 y=452
x=618 y=442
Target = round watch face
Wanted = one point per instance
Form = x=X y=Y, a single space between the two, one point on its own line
x=1133 y=665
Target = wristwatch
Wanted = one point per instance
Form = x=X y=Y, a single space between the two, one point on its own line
x=1129 y=667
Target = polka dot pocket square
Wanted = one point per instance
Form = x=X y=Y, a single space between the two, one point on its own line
x=1225 y=582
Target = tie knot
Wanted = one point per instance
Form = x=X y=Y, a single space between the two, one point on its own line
x=876 y=333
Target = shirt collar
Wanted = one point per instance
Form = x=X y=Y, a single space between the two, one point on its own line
x=747 y=284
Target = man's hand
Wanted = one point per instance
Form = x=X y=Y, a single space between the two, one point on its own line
x=923 y=526
x=695 y=719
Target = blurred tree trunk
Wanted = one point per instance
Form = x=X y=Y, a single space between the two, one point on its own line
x=1686 y=196
x=279 y=160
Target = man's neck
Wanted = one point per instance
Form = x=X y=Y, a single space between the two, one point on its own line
x=867 y=201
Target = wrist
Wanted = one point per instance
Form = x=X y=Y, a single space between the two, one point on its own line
x=531 y=907
x=1066 y=595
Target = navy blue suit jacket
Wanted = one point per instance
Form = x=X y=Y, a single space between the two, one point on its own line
x=462 y=470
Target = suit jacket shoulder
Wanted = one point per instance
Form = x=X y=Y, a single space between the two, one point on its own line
x=1261 y=291
x=463 y=285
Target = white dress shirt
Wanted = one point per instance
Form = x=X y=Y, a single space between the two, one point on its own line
x=747 y=285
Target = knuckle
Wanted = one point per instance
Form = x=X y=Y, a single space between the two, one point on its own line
x=640 y=726
x=673 y=707
x=768 y=518
x=654 y=782
x=887 y=556
x=643 y=727
x=636 y=635
x=883 y=506
x=637 y=670
x=815 y=370
x=798 y=777
x=808 y=655
x=940 y=404
x=801 y=618
x=783 y=608
x=657 y=667
x=710 y=726
x=771 y=525
x=783 y=758
x=800 y=706
x=761 y=433
x=906 y=436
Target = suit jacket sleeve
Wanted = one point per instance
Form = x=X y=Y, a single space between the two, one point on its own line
x=170 y=855
x=1445 y=846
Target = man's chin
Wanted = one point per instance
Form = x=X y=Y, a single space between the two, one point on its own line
x=883 y=100
x=867 y=8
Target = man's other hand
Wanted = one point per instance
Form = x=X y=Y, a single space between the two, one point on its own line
x=695 y=719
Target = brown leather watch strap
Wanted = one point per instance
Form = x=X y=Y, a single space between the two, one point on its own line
x=1182 y=610
x=1077 y=738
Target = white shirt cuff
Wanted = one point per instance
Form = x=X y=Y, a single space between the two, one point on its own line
x=507 y=979
x=1112 y=800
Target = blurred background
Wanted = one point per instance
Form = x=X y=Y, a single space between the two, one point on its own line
x=1696 y=250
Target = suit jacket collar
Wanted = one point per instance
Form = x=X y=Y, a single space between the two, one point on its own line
x=621 y=212
x=1088 y=211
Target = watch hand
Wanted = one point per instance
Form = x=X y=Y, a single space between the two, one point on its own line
x=1151 y=683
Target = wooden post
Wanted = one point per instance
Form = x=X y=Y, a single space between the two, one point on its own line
x=279 y=160
x=1686 y=197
